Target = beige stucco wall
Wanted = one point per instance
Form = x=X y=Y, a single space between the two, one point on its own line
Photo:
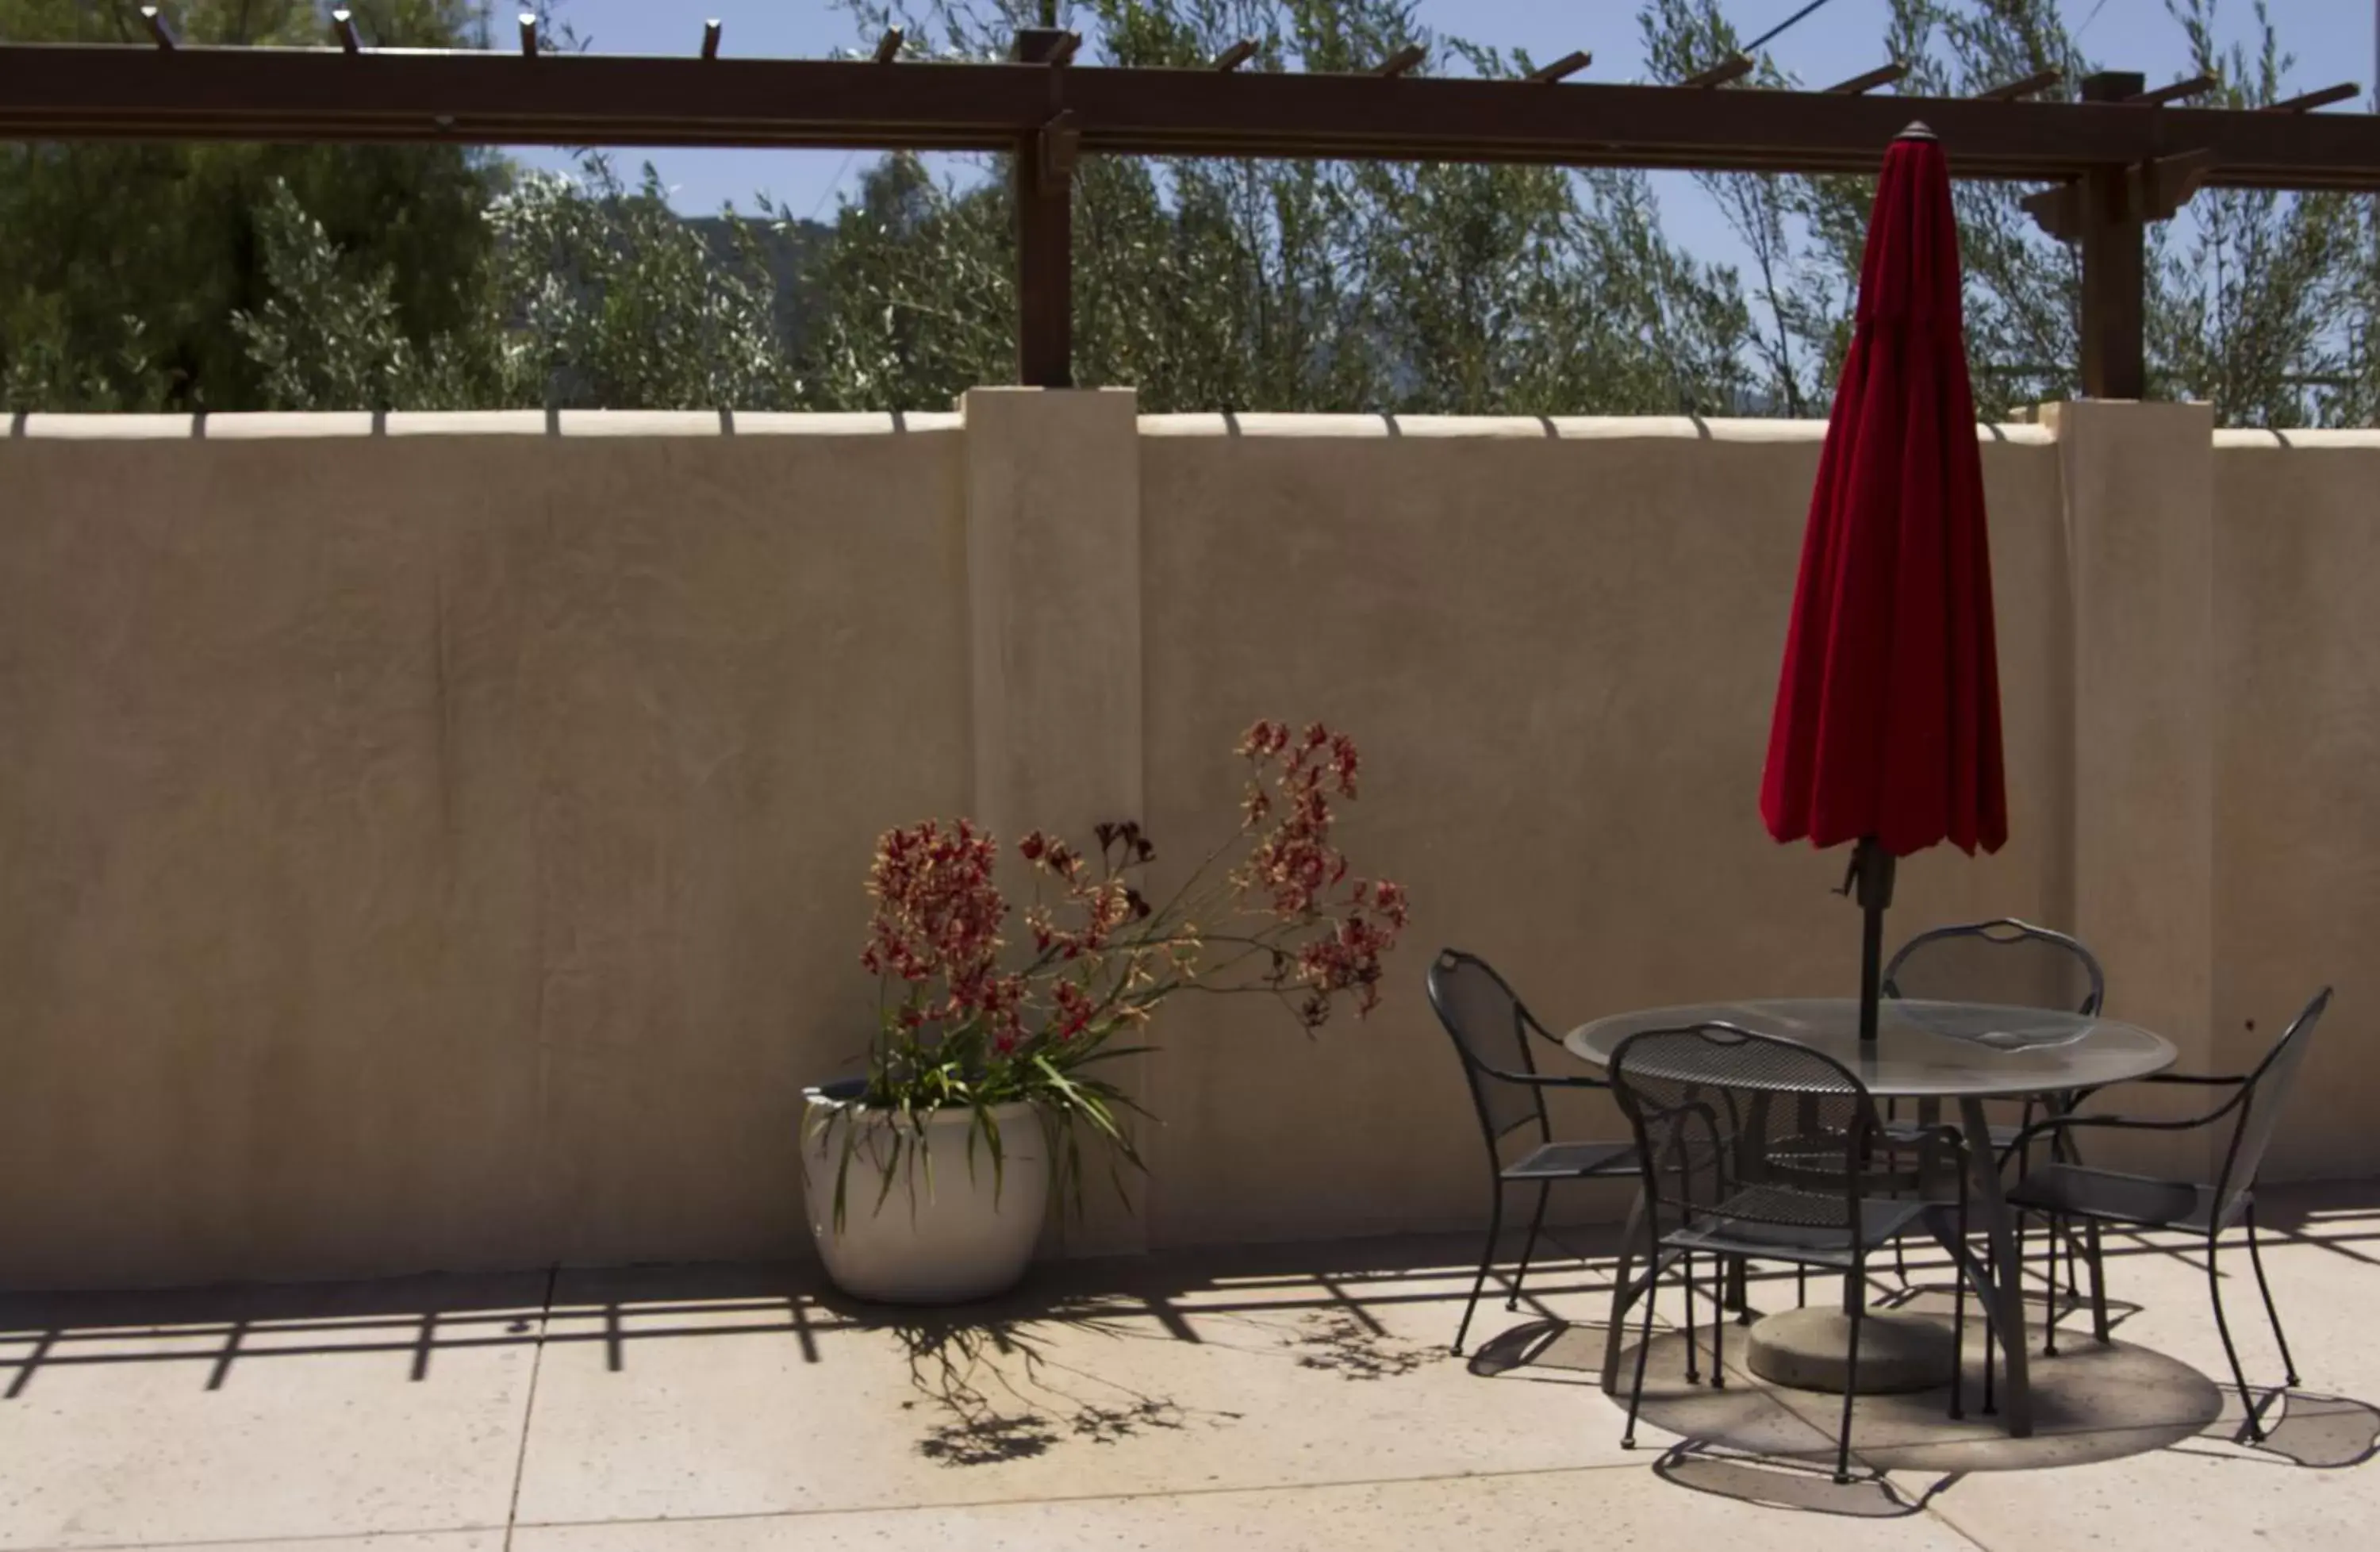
x=1558 y=645
x=436 y=842
x=435 y=849
x=2297 y=895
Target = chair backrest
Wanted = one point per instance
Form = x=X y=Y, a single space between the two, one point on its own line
x=2004 y=961
x=2260 y=1109
x=1491 y=1031
x=1781 y=1134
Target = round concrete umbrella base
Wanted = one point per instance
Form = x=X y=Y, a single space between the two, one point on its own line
x=1805 y=1348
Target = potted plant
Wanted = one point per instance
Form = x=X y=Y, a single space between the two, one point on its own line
x=927 y=1178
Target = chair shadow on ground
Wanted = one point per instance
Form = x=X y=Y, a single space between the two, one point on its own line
x=1764 y=1445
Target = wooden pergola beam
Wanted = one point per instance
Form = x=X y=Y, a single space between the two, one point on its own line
x=2342 y=92
x=116 y=93
x=1868 y=81
x=1563 y=68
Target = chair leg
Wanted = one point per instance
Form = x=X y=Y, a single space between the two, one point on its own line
x=2051 y=1319
x=2256 y=1259
x=1742 y=1291
x=2052 y=1308
x=1528 y=1246
x=1991 y=1338
x=1486 y=1264
x=1694 y=1374
x=1850 y=1392
x=2092 y=1253
x=1637 y=1229
x=1959 y=1313
x=1719 y=1330
x=1644 y=1347
x=1958 y=1342
x=1800 y=1285
x=2223 y=1329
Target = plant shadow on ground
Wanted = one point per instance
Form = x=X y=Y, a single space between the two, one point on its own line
x=991 y=1378
x=1012 y=1378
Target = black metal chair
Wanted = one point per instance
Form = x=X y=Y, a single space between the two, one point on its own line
x=2016 y=964
x=1719 y=1182
x=2068 y=1194
x=2007 y=962
x=2004 y=961
x=1494 y=1033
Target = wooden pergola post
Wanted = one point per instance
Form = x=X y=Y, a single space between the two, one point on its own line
x=2115 y=277
x=1042 y=177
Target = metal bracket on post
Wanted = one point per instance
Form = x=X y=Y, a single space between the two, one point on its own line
x=1057 y=146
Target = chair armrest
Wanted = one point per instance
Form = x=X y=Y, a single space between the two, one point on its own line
x=1555 y=1080
x=2121 y=1123
x=1545 y=1080
x=1549 y=1080
x=2193 y=1078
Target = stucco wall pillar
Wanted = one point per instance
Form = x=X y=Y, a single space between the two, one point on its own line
x=2139 y=493
x=1053 y=486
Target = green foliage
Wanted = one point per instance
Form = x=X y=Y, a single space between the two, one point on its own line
x=225 y=277
x=1292 y=285
x=915 y=293
x=2247 y=291
x=609 y=299
x=2248 y=295
x=123 y=267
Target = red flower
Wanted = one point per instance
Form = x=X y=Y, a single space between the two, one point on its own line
x=1075 y=1011
x=938 y=915
x=1296 y=921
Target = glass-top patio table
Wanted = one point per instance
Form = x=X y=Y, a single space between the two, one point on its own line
x=1961 y=1052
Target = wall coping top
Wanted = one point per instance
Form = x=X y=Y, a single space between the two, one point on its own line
x=565 y=423
x=1523 y=428
x=2296 y=437
x=596 y=423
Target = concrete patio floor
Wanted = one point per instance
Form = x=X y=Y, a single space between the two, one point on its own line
x=1284 y=1397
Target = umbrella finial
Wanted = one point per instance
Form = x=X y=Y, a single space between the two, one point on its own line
x=1916 y=131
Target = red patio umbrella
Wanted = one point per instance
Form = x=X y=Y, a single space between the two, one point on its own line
x=1888 y=724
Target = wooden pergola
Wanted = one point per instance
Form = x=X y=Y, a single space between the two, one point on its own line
x=2124 y=156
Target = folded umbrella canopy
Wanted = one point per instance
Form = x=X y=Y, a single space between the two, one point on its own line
x=1887 y=731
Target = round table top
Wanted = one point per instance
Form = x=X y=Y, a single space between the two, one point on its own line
x=1940 y=1050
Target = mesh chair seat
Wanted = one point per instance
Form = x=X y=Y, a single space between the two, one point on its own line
x=1770 y=1221
x=1571 y=1161
x=2071 y=1191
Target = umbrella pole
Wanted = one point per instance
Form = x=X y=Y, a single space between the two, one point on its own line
x=1872 y=870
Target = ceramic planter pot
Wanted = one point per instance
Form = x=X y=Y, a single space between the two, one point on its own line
x=942 y=1235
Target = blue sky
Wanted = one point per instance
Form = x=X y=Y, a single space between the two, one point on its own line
x=2332 y=39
